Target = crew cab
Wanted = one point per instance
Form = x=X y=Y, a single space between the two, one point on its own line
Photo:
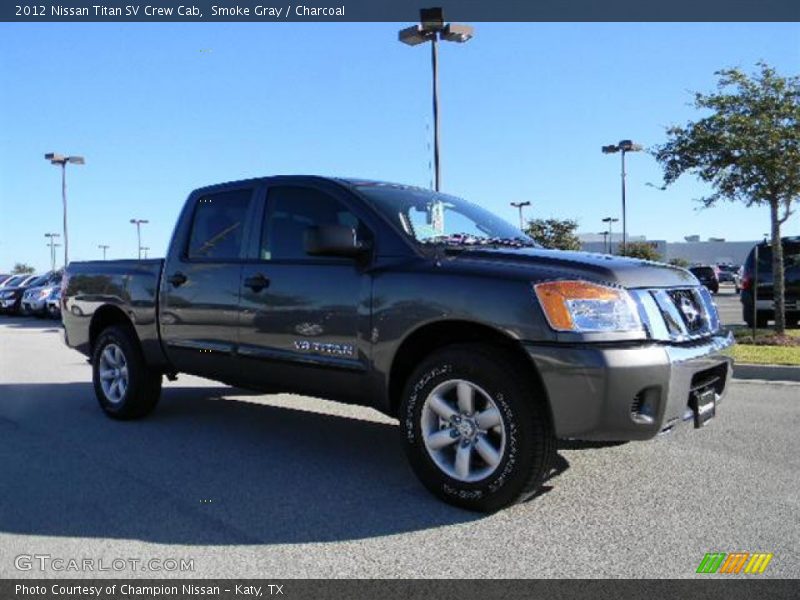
x=486 y=347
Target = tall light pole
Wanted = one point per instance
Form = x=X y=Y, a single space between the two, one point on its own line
x=104 y=247
x=55 y=246
x=605 y=240
x=145 y=249
x=432 y=28
x=58 y=159
x=52 y=244
x=139 y=223
x=623 y=147
x=520 y=206
x=610 y=221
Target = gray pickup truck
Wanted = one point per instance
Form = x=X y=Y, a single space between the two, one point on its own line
x=485 y=346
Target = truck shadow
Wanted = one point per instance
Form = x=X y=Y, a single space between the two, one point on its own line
x=204 y=469
x=45 y=324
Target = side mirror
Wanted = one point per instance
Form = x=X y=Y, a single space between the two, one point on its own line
x=333 y=240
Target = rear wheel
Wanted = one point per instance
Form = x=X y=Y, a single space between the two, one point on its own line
x=477 y=433
x=125 y=386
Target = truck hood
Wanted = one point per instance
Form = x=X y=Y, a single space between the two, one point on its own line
x=601 y=268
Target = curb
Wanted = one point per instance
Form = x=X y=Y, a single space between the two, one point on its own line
x=766 y=372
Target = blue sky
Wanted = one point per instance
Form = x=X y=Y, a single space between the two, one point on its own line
x=159 y=109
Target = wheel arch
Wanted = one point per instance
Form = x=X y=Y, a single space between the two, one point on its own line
x=105 y=317
x=431 y=337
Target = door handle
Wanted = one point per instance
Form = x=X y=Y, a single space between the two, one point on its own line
x=177 y=279
x=257 y=282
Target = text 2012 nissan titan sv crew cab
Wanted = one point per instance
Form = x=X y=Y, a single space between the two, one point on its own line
x=486 y=347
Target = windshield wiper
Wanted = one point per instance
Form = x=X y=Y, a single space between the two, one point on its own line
x=466 y=241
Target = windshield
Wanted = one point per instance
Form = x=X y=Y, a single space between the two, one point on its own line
x=702 y=271
x=428 y=217
x=39 y=281
x=13 y=281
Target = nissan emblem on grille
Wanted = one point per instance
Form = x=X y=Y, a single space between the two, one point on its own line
x=689 y=310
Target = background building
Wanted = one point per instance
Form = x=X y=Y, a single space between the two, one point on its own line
x=710 y=252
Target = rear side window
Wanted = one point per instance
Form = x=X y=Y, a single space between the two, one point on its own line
x=292 y=210
x=791 y=257
x=218 y=225
x=703 y=271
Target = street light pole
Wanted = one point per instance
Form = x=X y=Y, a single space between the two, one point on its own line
x=51 y=243
x=432 y=28
x=145 y=249
x=605 y=241
x=610 y=221
x=104 y=247
x=139 y=223
x=435 y=85
x=623 y=147
x=58 y=159
x=520 y=206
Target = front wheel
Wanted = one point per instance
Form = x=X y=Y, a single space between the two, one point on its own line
x=476 y=431
x=125 y=386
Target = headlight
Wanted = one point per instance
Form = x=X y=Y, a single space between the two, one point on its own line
x=587 y=307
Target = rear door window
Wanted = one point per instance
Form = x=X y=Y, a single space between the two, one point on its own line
x=218 y=225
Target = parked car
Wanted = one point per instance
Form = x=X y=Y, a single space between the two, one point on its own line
x=11 y=295
x=34 y=300
x=485 y=346
x=54 y=303
x=4 y=277
x=764 y=296
x=706 y=275
x=727 y=273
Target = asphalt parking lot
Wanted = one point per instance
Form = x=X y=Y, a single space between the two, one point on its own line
x=730 y=309
x=283 y=486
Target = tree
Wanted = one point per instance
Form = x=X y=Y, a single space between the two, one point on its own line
x=747 y=149
x=679 y=262
x=22 y=268
x=558 y=234
x=642 y=250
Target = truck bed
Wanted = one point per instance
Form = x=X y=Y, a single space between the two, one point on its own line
x=130 y=286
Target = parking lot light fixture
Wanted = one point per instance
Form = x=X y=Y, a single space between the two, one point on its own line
x=139 y=223
x=432 y=28
x=62 y=161
x=104 y=247
x=144 y=249
x=623 y=147
x=52 y=245
x=610 y=221
x=520 y=206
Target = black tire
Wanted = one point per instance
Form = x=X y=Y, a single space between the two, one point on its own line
x=530 y=444
x=143 y=383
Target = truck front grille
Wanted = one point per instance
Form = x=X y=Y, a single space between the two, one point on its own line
x=690 y=307
x=678 y=314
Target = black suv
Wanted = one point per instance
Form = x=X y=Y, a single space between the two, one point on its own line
x=764 y=297
x=707 y=276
